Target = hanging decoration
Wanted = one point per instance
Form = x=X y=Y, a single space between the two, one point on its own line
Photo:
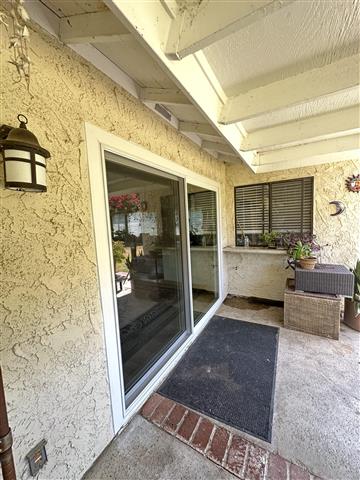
x=353 y=183
x=340 y=208
x=15 y=22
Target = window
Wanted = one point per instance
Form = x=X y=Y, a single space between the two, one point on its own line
x=285 y=206
x=202 y=212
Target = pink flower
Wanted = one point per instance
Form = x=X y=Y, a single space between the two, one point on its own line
x=129 y=202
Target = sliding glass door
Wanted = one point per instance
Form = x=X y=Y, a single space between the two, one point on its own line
x=202 y=206
x=148 y=245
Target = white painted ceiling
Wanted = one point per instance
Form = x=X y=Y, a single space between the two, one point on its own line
x=301 y=36
x=282 y=42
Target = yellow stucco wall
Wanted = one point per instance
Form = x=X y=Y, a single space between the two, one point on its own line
x=341 y=233
x=51 y=342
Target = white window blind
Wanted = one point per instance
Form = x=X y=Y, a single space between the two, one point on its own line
x=202 y=211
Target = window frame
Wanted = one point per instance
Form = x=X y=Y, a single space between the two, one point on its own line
x=270 y=202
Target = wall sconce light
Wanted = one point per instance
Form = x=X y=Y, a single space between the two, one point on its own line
x=24 y=158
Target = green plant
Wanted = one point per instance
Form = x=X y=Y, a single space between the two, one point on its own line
x=269 y=238
x=118 y=251
x=300 y=250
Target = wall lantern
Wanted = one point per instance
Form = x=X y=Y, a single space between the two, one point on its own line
x=24 y=158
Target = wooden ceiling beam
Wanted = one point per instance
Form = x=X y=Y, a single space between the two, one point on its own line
x=304 y=87
x=95 y=27
x=198 y=128
x=165 y=96
x=218 y=147
x=311 y=129
x=325 y=151
x=195 y=28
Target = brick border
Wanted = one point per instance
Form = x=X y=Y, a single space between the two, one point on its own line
x=232 y=452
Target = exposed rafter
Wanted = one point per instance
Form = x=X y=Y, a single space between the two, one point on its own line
x=92 y=28
x=332 y=124
x=324 y=151
x=198 y=128
x=307 y=86
x=217 y=147
x=150 y=23
x=196 y=27
x=166 y=96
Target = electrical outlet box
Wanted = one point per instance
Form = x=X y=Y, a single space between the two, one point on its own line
x=37 y=458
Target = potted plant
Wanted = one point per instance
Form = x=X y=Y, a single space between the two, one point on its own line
x=352 y=305
x=302 y=254
x=301 y=247
x=269 y=238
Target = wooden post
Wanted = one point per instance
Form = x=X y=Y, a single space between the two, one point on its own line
x=6 y=456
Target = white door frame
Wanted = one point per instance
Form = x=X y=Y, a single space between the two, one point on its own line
x=97 y=142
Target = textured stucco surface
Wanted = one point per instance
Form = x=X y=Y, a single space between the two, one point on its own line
x=51 y=342
x=256 y=275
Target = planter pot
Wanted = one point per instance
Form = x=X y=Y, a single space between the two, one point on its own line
x=308 y=263
x=352 y=314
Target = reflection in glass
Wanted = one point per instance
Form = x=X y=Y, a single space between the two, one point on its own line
x=203 y=249
x=146 y=238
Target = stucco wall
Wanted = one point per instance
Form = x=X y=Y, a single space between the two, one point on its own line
x=51 y=342
x=340 y=233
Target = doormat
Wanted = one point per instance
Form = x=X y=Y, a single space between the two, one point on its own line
x=229 y=374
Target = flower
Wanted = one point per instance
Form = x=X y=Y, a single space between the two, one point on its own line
x=127 y=203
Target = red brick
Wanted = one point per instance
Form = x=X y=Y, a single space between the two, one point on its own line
x=255 y=467
x=150 y=405
x=175 y=417
x=218 y=445
x=202 y=435
x=188 y=425
x=236 y=455
x=277 y=468
x=297 y=473
x=161 y=411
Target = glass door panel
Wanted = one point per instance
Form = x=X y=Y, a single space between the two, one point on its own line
x=203 y=249
x=145 y=211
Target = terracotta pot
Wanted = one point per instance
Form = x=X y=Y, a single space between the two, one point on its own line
x=352 y=314
x=308 y=263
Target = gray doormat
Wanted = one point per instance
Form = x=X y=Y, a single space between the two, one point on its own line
x=229 y=374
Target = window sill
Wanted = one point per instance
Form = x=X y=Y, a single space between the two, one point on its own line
x=256 y=250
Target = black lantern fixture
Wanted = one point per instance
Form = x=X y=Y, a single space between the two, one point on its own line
x=24 y=158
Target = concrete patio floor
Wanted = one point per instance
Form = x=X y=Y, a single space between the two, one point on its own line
x=316 y=414
x=145 y=452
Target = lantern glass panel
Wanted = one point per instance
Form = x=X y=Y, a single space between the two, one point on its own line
x=19 y=172
x=11 y=153
x=39 y=158
x=40 y=175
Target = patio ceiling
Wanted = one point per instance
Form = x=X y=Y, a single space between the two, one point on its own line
x=272 y=83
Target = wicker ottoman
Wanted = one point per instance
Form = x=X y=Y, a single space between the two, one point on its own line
x=312 y=313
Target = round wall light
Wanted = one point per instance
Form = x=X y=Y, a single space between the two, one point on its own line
x=24 y=158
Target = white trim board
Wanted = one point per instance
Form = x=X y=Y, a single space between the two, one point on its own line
x=97 y=141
